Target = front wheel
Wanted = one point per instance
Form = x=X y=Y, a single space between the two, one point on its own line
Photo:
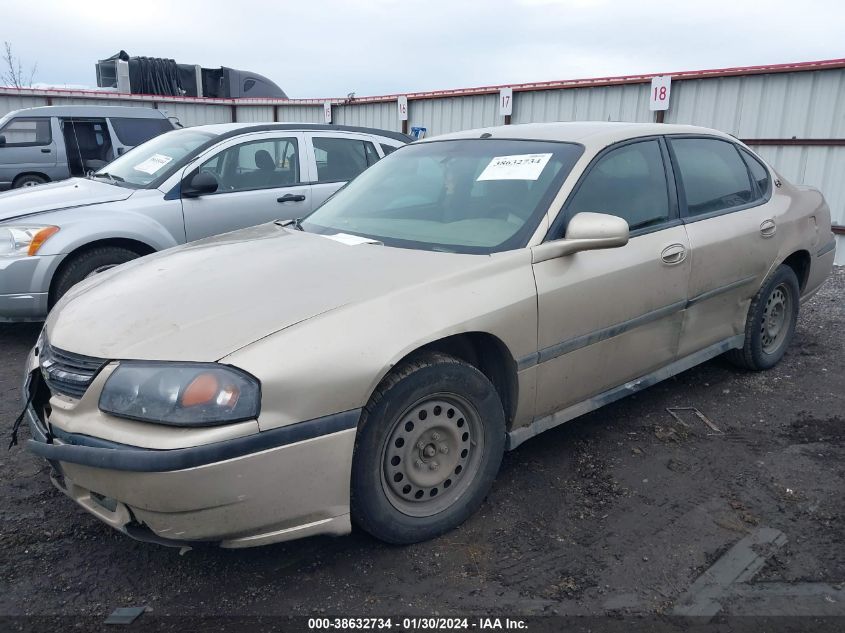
x=429 y=445
x=87 y=264
x=771 y=322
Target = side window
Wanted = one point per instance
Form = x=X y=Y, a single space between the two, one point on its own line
x=23 y=132
x=264 y=164
x=370 y=153
x=387 y=149
x=340 y=159
x=714 y=176
x=132 y=132
x=758 y=172
x=629 y=182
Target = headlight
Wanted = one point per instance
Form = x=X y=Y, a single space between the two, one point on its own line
x=17 y=241
x=181 y=394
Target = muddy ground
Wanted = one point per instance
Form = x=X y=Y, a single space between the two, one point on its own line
x=617 y=512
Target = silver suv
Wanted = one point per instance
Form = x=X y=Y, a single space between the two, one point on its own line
x=176 y=188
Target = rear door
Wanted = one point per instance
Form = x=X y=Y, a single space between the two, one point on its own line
x=609 y=316
x=732 y=224
x=260 y=180
x=336 y=158
x=29 y=147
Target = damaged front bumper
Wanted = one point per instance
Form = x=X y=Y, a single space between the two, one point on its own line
x=276 y=485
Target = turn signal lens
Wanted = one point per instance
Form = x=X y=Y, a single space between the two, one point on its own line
x=203 y=388
x=39 y=238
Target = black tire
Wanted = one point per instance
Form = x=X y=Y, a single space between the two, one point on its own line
x=759 y=351
x=82 y=265
x=29 y=180
x=419 y=383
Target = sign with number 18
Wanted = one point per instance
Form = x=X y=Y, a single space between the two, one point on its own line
x=659 y=97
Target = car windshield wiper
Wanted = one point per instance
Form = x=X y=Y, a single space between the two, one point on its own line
x=295 y=223
x=111 y=177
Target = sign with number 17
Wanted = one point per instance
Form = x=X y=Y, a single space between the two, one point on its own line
x=506 y=101
x=659 y=97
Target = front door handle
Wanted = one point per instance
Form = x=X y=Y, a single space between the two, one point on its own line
x=45 y=151
x=768 y=228
x=291 y=197
x=673 y=254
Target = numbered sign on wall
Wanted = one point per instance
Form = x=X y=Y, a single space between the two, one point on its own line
x=659 y=98
x=327 y=112
x=506 y=101
x=402 y=103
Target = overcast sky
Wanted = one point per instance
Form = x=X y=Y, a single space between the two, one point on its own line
x=328 y=48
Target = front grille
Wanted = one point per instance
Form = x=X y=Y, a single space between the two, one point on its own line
x=67 y=373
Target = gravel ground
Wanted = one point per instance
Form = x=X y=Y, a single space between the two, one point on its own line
x=617 y=512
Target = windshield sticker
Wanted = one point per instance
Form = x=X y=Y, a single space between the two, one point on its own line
x=350 y=240
x=153 y=163
x=517 y=167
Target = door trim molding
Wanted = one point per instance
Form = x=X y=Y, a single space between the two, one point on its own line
x=519 y=435
x=570 y=345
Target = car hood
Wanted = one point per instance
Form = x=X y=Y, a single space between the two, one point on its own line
x=76 y=192
x=204 y=300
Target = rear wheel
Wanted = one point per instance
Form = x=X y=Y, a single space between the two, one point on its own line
x=429 y=445
x=88 y=264
x=29 y=180
x=771 y=322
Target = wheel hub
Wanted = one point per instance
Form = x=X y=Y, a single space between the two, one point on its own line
x=775 y=322
x=431 y=454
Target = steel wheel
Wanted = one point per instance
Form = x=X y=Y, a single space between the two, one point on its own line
x=776 y=317
x=432 y=454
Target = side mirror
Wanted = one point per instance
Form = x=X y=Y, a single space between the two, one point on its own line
x=2 y=140
x=586 y=231
x=199 y=184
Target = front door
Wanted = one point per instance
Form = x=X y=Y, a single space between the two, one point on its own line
x=732 y=220
x=29 y=147
x=259 y=180
x=609 y=316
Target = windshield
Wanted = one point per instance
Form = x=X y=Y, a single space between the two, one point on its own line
x=466 y=196
x=156 y=159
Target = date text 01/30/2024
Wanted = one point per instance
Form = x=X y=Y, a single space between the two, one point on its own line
x=417 y=624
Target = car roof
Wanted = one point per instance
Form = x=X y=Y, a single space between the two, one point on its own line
x=588 y=133
x=134 y=112
x=234 y=129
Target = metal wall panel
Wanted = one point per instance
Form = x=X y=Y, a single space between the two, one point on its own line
x=8 y=103
x=254 y=114
x=300 y=113
x=451 y=114
x=383 y=115
x=199 y=113
x=610 y=103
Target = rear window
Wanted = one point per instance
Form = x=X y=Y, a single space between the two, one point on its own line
x=133 y=132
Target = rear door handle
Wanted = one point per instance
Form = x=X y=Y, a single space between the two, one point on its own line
x=45 y=151
x=673 y=254
x=768 y=228
x=290 y=197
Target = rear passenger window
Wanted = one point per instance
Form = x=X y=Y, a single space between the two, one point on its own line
x=759 y=173
x=713 y=175
x=132 y=132
x=629 y=182
x=23 y=132
x=387 y=149
x=340 y=159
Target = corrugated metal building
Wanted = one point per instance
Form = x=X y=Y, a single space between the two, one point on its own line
x=792 y=114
